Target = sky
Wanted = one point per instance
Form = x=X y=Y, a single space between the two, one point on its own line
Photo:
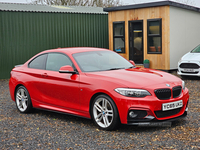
x=195 y=3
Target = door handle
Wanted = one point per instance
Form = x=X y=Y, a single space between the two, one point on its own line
x=44 y=75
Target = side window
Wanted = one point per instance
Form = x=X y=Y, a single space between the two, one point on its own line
x=154 y=36
x=38 y=62
x=119 y=37
x=57 y=60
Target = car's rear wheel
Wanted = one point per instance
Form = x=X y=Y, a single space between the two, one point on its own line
x=104 y=112
x=23 y=100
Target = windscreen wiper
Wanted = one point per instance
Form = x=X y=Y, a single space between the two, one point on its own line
x=114 y=69
x=131 y=67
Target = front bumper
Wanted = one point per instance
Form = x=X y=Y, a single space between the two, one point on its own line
x=196 y=73
x=147 y=109
x=189 y=70
x=157 y=122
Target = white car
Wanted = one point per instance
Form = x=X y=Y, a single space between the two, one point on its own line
x=189 y=65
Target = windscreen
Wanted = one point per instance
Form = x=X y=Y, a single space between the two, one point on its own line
x=101 y=61
x=196 y=50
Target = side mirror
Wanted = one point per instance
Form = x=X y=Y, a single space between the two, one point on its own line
x=67 y=69
x=132 y=62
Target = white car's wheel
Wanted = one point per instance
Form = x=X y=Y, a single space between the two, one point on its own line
x=104 y=112
x=23 y=100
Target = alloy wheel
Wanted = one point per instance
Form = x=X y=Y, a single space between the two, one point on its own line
x=103 y=112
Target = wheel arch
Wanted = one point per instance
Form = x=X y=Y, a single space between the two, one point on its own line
x=17 y=88
x=93 y=98
x=27 y=102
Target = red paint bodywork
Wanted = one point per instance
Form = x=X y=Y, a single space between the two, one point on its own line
x=72 y=93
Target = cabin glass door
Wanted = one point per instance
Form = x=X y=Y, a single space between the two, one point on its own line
x=136 y=41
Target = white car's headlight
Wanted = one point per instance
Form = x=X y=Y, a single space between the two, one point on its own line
x=132 y=92
x=183 y=85
x=180 y=60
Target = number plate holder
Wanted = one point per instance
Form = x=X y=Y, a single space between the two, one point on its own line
x=172 y=105
x=189 y=70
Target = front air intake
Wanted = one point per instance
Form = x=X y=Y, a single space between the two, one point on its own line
x=176 y=91
x=163 y=93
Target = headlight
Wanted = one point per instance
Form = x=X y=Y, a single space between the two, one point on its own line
x=180 y=60
x=183 y=85
x=132 y=92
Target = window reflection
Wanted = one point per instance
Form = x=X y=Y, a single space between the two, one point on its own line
x=118 y=29
x=119 y=37
x=154 y=44
x=154 y=27
x=119 y=44
x=154 y=36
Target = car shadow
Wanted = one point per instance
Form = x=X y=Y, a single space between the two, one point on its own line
x=190 y=78
x=63 y=117
x=136 y=129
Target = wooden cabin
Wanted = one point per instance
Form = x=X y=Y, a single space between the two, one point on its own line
x=161 y=32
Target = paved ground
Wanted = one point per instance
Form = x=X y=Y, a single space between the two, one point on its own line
x=47 y=130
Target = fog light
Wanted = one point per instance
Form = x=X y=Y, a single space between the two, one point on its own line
x=132 y=114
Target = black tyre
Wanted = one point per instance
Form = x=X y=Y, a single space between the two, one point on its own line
x=104 y=113
x=23 y=100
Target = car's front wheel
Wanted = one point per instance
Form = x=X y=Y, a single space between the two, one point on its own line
x=23 y=100
x=104 y=112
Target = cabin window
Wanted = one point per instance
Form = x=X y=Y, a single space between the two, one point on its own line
x=119 y=37
x=154 y=36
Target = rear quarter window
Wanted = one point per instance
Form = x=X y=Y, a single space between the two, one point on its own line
x=39 y=62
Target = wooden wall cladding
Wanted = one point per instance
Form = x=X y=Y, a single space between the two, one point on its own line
x=157 y=61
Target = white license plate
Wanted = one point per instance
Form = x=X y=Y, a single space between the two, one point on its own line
x=172 y=105
x=189 y=70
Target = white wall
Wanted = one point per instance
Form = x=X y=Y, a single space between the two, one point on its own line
x=184 y=33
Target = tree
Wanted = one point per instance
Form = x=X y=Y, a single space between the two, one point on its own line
x=187 y=2
x=94 y=3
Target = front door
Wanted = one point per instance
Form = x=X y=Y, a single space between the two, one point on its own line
x=136 y=41
x=59 y=89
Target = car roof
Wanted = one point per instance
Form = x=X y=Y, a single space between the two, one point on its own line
x=72 y=50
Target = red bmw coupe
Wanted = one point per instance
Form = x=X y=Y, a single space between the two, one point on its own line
x=99 y=84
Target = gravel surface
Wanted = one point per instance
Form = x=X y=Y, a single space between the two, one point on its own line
x=47 y=130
